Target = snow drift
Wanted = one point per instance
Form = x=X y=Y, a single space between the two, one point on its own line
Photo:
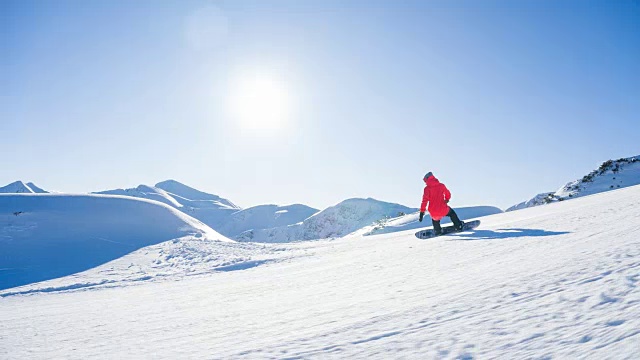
x=44 y=236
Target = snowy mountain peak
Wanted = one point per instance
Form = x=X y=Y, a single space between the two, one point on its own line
x=189 y=193
x=145 y=192
x=36 y=189
x=19 y=187
x=611 y=175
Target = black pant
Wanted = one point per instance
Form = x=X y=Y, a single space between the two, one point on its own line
x=454 y=218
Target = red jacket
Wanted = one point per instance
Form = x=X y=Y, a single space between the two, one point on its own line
x=435 y=193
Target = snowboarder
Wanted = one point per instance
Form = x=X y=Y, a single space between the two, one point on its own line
x=437 y=195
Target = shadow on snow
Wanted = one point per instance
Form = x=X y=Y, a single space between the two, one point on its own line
x=504 y=234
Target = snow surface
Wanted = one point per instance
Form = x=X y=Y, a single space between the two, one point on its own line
x=612 y=174
x=558 y=281
x=44 y=236
x=335 y=221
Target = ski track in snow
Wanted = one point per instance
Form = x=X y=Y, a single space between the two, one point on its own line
x=559 y=281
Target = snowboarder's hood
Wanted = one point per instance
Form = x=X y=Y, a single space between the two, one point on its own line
x=431 y=181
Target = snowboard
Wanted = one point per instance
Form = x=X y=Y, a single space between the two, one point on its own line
x=429 y=233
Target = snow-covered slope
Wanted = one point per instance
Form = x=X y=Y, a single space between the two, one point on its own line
x=265 y=217
x=145 y=192
x=208 y=208
x=36 y=189
x=540 y=199
x=218 y=213
x=45 y=236
x=612 y=174
x=410 y=221
x=189 y=196
x=336 y=221
x=551 y=282
x=18 y=187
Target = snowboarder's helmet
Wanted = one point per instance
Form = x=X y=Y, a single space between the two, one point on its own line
x=427 y=175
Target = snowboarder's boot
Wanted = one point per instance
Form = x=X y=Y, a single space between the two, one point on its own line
x=437 y=229
x=457 y=224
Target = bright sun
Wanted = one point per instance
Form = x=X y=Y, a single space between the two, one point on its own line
x=260 y=102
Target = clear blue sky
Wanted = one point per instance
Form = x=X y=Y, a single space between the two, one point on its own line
x=500 y=99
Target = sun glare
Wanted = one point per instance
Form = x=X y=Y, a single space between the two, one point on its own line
x=260 y=102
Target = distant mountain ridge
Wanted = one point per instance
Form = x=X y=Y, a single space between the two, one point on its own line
x=335 y=221
x=144 y=192
x=265 y=217
x=18 y=187
x=217 y=212
x=189 y=195
x=611 y=175
x=274 y=223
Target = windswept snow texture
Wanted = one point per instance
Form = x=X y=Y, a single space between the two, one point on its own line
x=410 y=221
x=336 y=221
x=612 y=174
x=551 y=282
x=45 y=236
x=19 y=187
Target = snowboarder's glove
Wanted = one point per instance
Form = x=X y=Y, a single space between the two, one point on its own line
x=421 y=216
